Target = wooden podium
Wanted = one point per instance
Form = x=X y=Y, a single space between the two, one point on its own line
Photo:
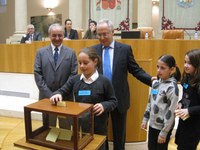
x=70 y=109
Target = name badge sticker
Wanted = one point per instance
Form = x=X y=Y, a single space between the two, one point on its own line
x=84 y=92
x=185 y=85
x=154 y=91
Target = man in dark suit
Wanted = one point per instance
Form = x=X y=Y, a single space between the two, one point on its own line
x=69 y=32
x=54 y=65
x=121 y=62
x=31 y=35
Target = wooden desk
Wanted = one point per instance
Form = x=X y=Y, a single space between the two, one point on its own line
x=72 y=109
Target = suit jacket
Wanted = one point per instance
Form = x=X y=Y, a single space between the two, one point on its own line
x=73 y=34
x=36 y=37
x=50 y=77
x=123 y=62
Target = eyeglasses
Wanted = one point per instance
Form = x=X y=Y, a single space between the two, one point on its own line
x=99 y=35
x=56 y=35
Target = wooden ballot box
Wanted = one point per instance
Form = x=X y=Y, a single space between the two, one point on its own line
x=79 y=137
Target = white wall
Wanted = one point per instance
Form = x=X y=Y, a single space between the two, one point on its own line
x=17 y=91
x=18 y=85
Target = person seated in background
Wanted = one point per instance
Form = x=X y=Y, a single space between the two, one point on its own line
x=91 y=33
x=31 y=35
x=69 y=32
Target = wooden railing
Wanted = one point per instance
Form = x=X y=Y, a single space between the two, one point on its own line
x=19 y=58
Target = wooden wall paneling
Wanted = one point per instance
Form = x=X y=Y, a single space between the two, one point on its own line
x=19 y=58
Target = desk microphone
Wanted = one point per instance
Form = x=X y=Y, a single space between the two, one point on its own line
x=188 y=34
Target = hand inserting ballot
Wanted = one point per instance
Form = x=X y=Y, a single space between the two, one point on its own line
x=56 y=98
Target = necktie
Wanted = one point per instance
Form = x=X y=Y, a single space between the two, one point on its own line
x=31 y=37
x=55 y=55
x=106 y=64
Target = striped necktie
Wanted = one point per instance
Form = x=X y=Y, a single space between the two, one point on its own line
x=55 y=55
x=106 y=64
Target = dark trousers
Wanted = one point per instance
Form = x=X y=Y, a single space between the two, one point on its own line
x=187 y=147
x=119 y=129
x=187 y=137
x=187 y=143
x=153 y=138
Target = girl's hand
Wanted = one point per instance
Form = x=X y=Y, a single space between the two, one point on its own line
x=182 y=113
x=178 y=106
x=144 y=126
x=93 y=29
x=56 y=98
x=161 y=139
x=98 y=109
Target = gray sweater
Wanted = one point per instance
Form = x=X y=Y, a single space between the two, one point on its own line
x=162 y=103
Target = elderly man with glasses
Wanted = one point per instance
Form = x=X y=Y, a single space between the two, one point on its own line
x=117 y=61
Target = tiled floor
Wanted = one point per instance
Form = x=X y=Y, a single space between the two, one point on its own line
x=12 y=129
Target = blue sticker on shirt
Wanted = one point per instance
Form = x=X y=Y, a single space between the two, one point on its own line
x=84 y=92
x=154 y=91
x=185 y=85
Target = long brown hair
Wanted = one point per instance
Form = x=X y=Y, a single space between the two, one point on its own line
x=194 y=57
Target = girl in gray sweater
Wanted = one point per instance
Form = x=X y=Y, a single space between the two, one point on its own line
x=162 y=103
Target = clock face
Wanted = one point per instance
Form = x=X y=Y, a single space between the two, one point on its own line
x=185 y=3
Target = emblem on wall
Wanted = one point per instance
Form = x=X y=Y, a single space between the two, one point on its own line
x=185 y=3
x=108 y=4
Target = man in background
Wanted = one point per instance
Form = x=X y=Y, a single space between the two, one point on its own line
x=54 y=65
x=31 y=35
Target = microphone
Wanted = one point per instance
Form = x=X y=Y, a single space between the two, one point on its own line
x=188 y=34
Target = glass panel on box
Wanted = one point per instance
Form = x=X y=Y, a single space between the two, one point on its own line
x=84 y=127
